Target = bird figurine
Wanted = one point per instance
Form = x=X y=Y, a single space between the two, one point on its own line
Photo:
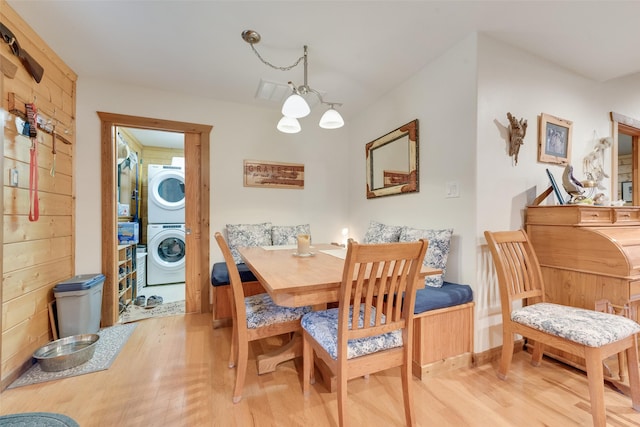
x=572 y=185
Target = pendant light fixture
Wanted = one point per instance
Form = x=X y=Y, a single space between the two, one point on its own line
x=295 y=106
x=331 y=119
x=289 y=125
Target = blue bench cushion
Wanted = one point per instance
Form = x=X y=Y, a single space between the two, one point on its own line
x=448 y=295
x=429 y=298
x=220 y=274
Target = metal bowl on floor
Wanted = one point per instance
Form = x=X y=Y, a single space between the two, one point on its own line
x=66 y=353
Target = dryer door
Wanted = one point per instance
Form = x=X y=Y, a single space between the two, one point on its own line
x=167 y=189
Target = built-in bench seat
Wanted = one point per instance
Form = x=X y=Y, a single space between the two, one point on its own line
x=243 y=235
x=443 y=327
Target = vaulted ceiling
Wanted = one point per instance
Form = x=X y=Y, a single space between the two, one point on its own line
x=358 y=50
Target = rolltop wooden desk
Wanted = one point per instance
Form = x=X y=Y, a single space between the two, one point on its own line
x=588 y=254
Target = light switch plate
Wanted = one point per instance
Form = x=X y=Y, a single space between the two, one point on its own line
x=13 y=177
x=452 y=189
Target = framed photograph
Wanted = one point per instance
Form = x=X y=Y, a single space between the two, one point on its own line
x=554 y=142
x=626 y=191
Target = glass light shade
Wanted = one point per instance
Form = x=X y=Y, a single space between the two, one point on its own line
x=295 y=106
x=288 y=125
x=331 y=119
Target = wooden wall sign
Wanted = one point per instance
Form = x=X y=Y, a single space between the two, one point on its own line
x=273 y=174
x=392 y=178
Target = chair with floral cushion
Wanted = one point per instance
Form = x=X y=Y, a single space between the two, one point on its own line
x=589 y=334
x=367 y=333
x=254 y=318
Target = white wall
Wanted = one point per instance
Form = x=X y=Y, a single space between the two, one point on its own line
x=622 y=96
x=239 y=132
x=461 y=100
x=442 y=97
x=510 y=80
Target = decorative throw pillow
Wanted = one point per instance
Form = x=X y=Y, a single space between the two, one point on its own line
x=437 y=252
x=242 y=235
x=382 y=233
x=288 y=234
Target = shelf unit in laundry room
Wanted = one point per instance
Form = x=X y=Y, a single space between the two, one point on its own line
x=127 y=276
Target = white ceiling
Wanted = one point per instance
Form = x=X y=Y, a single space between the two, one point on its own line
x=358 y=50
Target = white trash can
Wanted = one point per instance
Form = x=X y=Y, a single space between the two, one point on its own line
x=79 y=304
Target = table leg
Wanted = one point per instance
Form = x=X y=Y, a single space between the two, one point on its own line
x=268 y=362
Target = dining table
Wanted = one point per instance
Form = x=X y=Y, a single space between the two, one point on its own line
x=296 y=280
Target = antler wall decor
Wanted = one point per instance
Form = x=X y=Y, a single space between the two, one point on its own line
x=517 y=131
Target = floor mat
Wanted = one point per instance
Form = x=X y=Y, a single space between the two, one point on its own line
x=111 y=341
x=37 y=419
x=134 y=313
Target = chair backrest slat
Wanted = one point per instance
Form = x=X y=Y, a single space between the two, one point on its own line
x=383 y=276
x=517 y=267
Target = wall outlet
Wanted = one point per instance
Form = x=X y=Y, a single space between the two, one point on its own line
x=452 y=189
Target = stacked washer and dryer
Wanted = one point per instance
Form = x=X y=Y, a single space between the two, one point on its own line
x=165 y=229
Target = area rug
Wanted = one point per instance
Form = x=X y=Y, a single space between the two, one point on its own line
x=134 y=313
x=111 y=341
x=36 y=419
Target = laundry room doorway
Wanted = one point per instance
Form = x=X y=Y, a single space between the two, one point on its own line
x=151 y=196
x=194 y=238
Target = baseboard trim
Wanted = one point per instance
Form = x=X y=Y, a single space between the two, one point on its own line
x=461 y=361
x=495 y=353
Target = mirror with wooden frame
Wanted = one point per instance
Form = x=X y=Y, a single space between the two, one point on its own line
x=392 y=162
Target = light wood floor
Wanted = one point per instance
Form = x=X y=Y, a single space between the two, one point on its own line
x=173 y=372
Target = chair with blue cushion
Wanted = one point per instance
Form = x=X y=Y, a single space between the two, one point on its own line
x=254 y=318
x=366 y=333
x=589 y=334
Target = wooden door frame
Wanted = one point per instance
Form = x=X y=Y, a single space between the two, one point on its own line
x=196 y=211
x=629 y=126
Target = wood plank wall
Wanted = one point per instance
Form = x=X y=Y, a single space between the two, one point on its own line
x=36 y=255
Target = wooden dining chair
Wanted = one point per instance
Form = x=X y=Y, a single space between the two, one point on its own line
x=254 y=318
x=589 y=334
x=372 y=328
